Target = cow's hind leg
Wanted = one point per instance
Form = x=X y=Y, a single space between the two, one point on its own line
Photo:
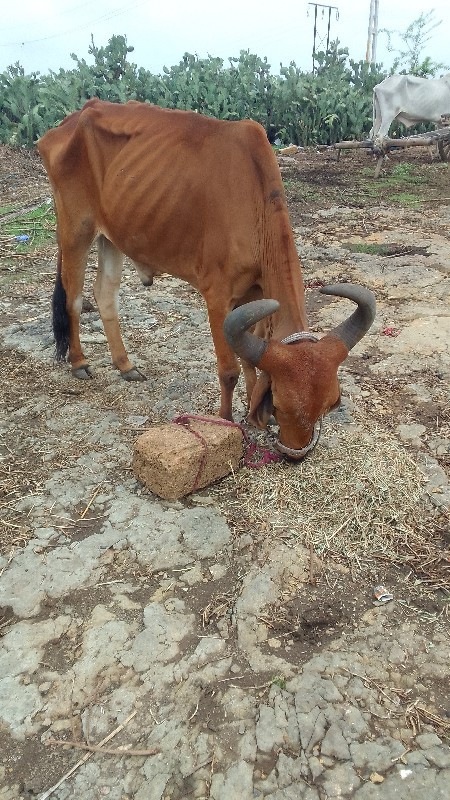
x=106 y=292
x=67 y=302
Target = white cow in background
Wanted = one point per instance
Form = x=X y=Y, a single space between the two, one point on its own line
x=409 y=100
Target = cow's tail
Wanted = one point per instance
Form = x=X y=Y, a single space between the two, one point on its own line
x=61 y=323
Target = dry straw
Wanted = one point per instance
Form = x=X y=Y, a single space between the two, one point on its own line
x=359 y=498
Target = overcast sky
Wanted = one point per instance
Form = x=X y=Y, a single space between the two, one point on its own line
x=41 y=34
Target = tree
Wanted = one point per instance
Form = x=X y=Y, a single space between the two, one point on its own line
x=409 y=58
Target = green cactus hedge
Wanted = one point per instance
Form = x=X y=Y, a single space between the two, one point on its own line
x=333 y=104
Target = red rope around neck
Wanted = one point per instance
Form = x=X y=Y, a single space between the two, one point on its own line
x=267 y=456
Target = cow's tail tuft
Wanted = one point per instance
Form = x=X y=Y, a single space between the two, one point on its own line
x=61 y=324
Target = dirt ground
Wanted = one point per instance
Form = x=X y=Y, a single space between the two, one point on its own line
x=390 y=234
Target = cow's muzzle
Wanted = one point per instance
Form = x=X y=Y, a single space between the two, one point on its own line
x=299 y=455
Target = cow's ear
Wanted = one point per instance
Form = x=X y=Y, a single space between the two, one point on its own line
x=261 y=403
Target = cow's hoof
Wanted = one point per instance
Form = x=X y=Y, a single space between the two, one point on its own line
x=134 y=374
x=82 y=373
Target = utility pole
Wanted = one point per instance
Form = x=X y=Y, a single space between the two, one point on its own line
x=372 y=33
x=321 y=39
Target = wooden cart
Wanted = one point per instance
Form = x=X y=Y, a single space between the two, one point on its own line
x=439 y=138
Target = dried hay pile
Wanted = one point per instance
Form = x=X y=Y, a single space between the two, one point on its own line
x=359 y=499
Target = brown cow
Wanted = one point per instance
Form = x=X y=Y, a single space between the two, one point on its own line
x=201 y=199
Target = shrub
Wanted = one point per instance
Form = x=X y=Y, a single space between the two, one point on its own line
x=303 y=108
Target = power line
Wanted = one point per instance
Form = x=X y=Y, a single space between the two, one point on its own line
x=46 y=20
x=105 y=18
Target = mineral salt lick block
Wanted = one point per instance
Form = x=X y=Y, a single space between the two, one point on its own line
x=167 y=458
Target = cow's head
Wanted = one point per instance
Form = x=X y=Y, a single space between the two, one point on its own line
x=298 y=383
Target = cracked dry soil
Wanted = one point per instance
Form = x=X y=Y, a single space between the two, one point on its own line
x=248 y=655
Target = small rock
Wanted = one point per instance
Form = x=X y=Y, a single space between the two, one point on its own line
x=340 y=780
x=217 y=571
x=268 y=734
x=375 y=777
x=334 y=743
x=375 y=756
x=440 y=446
x=203 y=500
x=192 y=576
x=94 y=338
x=315 y=767
x=61 y=725
x=397 y=655
x=416 y=757
x=136 y=419
x=411 y=433
x=439 y=756
x=87 y=306
x=426 y=740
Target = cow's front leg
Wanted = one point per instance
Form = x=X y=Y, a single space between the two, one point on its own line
x=106 y=293
x=227 y=363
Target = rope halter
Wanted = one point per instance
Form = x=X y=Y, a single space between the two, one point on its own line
x=301 y=336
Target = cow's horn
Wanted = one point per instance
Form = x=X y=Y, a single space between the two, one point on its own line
x=356 y=326
x=247 y=345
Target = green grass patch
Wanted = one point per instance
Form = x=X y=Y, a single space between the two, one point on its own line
x=384 y=249
x=406 y=199
x=393 y=186
x=38 y=224
x=371 y=190
x=8 y=209
x=370 y=249
x=405 y=174
x=400 y=175
x=280 y=681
